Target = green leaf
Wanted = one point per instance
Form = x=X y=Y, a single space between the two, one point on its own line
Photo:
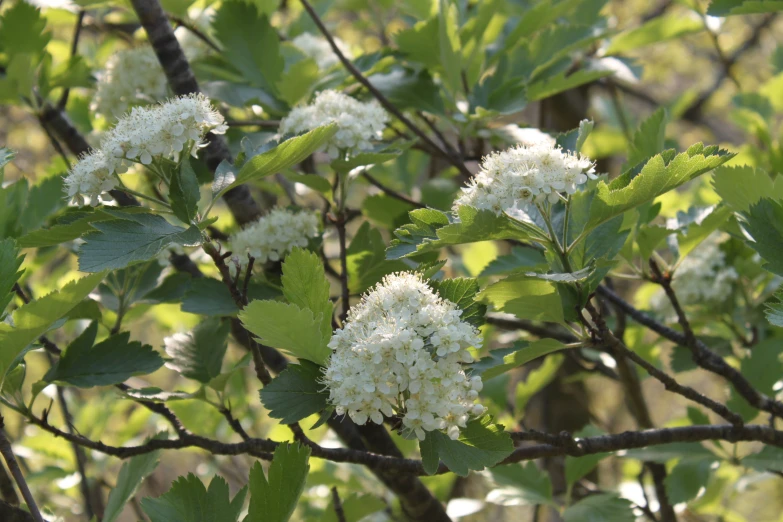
x=296 y=393
x=523 y=352
x=431 y=230
x=184 y=192
x=481 y=444
x=521 y=484
x=574 y=140
x=449 y=44
x=131 y=239
x=273 y=499
x=649 y=138
x=189 y=500
x=739 y=7
x=421 y=43
x=313 y=181
x=526 y=297
x=364 y=159
x=71 y=226
x=408 y=89
x=23 y=30
x=768 y=459
x=742 y=186
x=109 y=362
x=366 y=260
x=657 y=177
x=535 y=381
x=563 y=81
x=249 y=43
x=763 y=223
x=287 y=327
x=355 y=507
x=10 y=261
x=676 y=450
x=685 y=480
x=34 y=319
x=199 y=353
x=43 y=200
x=605 y=507
x=386 y=211
x=296 y=82
x=774 y=310
x=132 y=473
x=763 y=368
x=6 y=156
x=659 y=29
x=521 y=258
x=305 y=285
x=288 y=153
x=462 y=292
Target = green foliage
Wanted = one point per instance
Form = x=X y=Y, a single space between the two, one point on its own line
x=739 y=7
x=199 y=353
x=740 y=187
x=763 y=224
x=481 y=444
x=189 y=500
x=524 y=484
x=23 y=30
x=521 y=353
x=462 y=292
x=184 y=192
x=34 y=319
x=526 y=297
x=305 y=286
x=10 y=261
x=649 y=139
x=656 y=30
x=366 y=259
x=132 y=238
x=132 y=473
x=273 y=498
x=86 y=364
x=578 y=467
x=296 y=393
x=605 y=507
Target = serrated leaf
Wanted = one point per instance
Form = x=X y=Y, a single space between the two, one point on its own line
x=189 y=500
x=33 y=319
x=43 y=200
x=520 y=259
x=552 y=85
x=462 y=292
x=112 y=361
x=605 y=507
x=763 y=225
x=574 y=140
x=288 y=153
x=431 y=230
x=132 y=473
x=481 y=444
x=648 y=140
x=520 y=484
x=525 y=297
x=659 y=29
x=71 y=226
x=742 y=186
x=521 y=353
x=184 y=192
x=131 y=239
x=296 y=393
x=273 y=499
x=366 y=260
x=198 y=354
x=287 y=327
x=23 y=30
x=656 y=177
x=10 y=261
x=774 y=310
x=305 y=285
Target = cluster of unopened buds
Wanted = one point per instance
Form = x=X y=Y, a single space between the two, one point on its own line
x=144 y=134
x=525 y=175
x=401 y=353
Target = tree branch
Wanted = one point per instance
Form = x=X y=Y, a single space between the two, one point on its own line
x=392 y=193
x=13 y=467
x=77 y=31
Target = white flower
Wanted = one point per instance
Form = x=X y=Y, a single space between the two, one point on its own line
x=703 y=277
x=401 y=351
x=130 y=77
x=358 y=123
x=319 y=49
x=274 y=235
x=523 y=175
x=91 y=178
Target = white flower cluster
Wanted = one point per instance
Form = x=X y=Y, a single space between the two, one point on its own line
x=274 y=235
x=358 y=123
x=131 y=77
x=703 y=277
x=524 y=175
x=138 y=137
x=319 y=49
x=401 y=351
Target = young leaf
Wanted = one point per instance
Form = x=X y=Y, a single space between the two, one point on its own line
x=131 y=239
x=741 y=186
x=520 y=259
x=366 y=259
x=574 y=139
x=184 y=192
x=763 y=223
x=132 y=473
x=606 y=507
x=273 y=499
x=23 y=30
x=32 y=320
x=649 y=138
x=109 y=362
x=659 y=29
x=287 y=327
x=199 y=353
x=526 y=297
x=10 y=261
x=521 y=353
x=552 y=85
x=305 y=285
x=189 y=500
x=462 y=292
x=686 y=479
x=774 y=311
x=296 y=393
x=525 y=484
x=481 y=444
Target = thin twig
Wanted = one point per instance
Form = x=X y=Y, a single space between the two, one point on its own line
x=77 y=31
x=392 y=193
x=344 y=288
x=338 y=505
x=264 y=124
x=13 y=467
x=198 y=33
